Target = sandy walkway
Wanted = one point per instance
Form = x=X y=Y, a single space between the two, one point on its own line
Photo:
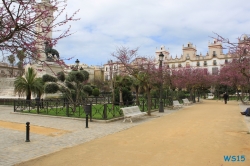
x=198 y=135
x=34 y=129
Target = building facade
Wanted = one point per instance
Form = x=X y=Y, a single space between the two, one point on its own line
x=212 y=61
x=95 y=72
x=111 y=69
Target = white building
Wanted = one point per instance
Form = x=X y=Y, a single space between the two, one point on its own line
x=112 y=69
x=212 y=61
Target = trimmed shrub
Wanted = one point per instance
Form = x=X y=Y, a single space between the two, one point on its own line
x=96 y=92
x=48 y=78
x=87 y=89
x=51 y=88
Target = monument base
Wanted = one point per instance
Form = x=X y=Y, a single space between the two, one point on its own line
x=47 y=67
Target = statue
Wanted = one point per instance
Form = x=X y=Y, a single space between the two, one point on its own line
x=50 y=50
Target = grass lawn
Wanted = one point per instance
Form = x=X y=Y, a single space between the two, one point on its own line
x=97 y=111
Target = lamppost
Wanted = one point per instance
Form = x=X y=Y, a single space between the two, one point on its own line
x=161 y=56
x=77 y=63
x=76 y=67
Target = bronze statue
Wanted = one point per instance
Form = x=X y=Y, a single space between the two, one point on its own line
x=50 y=50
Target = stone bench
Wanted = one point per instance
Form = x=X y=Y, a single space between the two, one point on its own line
x=132 y=112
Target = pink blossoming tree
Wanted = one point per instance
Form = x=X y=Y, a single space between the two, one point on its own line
x=19 y=20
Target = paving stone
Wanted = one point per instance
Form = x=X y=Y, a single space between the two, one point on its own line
x=14 y=149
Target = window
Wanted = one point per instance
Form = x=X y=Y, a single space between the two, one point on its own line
x=173 y=65
x=226 y=61
x=205 y=63
x=198 y=63
x=215 y=71
x=187 y=64
x=106 y=77
x=214 y=53
x=179 y=65
x=214 y=62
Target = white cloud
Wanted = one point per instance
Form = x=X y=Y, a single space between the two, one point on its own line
x=106 y=24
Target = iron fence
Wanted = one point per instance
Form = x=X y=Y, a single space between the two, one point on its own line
x=100 y=109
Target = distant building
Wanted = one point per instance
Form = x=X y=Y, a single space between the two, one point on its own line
x=9 y=71
x=95 y=72
x=111 y=69
x=212 y=61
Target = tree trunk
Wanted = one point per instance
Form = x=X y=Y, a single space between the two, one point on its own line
x=28 y=97
x=137 y=96
x=120 y=95
x=149 y=101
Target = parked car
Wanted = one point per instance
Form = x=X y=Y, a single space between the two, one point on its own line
x=210 y=96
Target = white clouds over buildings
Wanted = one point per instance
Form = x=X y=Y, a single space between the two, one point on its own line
x=147 y=24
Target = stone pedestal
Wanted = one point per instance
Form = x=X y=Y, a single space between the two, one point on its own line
x=51 y=68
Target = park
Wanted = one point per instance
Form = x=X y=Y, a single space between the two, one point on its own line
x=132 y=108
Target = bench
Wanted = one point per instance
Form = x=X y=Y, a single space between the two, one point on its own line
x=176 y=104
x=132 y=112
x=186 y=102
x=246 y=100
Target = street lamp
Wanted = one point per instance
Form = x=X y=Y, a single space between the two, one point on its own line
x=77 y=63
x=161 y=56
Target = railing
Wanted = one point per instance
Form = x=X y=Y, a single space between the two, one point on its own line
x=100 y=110
x=7 y=101
x=64 y=108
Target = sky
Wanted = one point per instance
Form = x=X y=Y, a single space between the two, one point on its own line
x=105 y=25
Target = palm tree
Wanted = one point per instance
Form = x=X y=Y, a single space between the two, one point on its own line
x=11 y=60
x=28 y=84
x=21 y=56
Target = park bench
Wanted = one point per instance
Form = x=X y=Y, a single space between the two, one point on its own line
x=132 y=112
x=246 y=100
x=186 y=102
x=176 y=104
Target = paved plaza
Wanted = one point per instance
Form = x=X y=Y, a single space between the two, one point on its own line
x=14 y=149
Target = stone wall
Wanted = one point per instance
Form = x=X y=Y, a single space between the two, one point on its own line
x=7 y=88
